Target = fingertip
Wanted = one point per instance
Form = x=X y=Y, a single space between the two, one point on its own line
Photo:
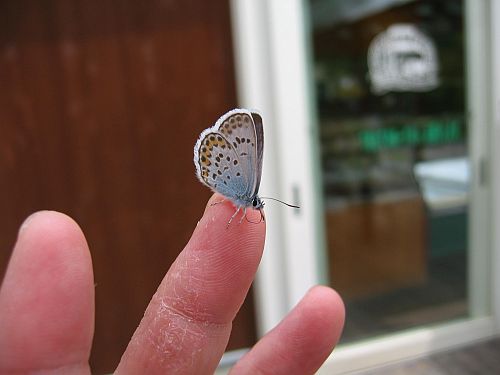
x=328 y=309
x=50 y=241
x=230 y=253
x=49 y=223
x=222 y=210
x=48 y=289
x=51 y=237
x=334 y=305
x=303 y=339
x=54 y=241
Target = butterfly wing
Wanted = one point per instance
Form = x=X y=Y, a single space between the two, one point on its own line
x=259 y=133
x=226 y=156
x=219 y=168
x=239 y=128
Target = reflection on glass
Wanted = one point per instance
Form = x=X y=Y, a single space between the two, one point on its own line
x=402 y=58
x=389 y=79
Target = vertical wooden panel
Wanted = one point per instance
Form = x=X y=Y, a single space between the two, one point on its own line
x=100 y=106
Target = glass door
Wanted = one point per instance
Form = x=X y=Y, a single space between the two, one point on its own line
x=390 y=88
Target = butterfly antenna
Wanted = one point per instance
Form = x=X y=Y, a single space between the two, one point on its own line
x=277 y=200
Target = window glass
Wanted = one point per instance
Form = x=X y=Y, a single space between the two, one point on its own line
x=390 y=96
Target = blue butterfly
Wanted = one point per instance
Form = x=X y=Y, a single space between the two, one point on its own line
x=228 y=158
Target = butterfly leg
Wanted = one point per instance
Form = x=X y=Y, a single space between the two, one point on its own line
x=214 y=203
x=232 y=217
x=244 y=215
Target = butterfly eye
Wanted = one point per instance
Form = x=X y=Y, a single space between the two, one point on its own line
x=254 y=202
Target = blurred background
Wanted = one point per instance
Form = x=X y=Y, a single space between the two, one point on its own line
x=378 y=118
x=390 y=87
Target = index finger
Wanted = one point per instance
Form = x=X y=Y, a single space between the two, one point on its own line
x=188 y=322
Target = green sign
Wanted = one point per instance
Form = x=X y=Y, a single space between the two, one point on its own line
x=427 y=134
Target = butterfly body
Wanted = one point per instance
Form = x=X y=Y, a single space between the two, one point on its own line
x=228 y=158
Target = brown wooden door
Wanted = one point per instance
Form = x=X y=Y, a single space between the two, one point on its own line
x=100 y=105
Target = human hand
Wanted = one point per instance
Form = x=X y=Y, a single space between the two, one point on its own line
x=47 y=305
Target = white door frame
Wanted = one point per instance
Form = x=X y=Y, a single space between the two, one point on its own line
x=271 y=55
x=271 y=76
x=493 y=167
